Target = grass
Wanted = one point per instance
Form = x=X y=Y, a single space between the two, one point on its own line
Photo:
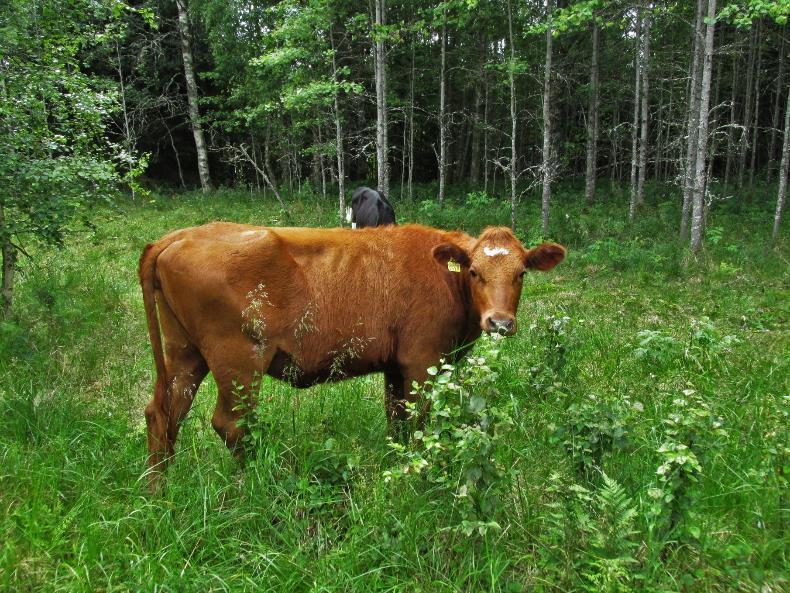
x=614 y=337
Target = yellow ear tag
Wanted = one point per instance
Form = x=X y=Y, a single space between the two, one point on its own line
x=453 y=266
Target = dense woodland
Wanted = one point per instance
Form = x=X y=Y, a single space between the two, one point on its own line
x=316 y=95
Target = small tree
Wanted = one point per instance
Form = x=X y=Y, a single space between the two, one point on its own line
x=55 y=161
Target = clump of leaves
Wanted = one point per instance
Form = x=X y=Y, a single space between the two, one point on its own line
x=592 y=427
x=466 y=427
x=692 y=433
x=554 y=337
x=657 y=348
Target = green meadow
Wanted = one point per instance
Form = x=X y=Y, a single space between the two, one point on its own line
x=642 y=442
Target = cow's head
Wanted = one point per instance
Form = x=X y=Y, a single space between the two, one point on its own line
x=494 y=266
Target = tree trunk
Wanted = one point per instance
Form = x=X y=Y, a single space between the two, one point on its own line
x=315 y=161
x=780 y=198
x=777 y=104
x=382 y=139
x=9 y=265
x=192 y=95
x=547 y=131
x=702 y=134
x=693 y=123
x=731 y=127
x=175 y=152
x=474 y=165
x=645 y=98
x=747 y=116
x=442 y=114
x=615 y=140
x=411 y=123
x=341 y=157
x=756 y=119
x=512 y=80
x=635 y=121
x=485 y=138
x=592 y=121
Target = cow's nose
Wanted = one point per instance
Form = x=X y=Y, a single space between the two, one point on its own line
x=505 y=325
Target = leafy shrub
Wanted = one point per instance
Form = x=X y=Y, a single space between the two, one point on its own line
x=553 y=337
x=657 y=348
x=592 y=428
x=692 y=432
x=466 y=427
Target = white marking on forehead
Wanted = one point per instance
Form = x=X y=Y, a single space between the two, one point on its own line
x=492 y=251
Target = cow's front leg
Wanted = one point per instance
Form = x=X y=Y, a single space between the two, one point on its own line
x=395 y=405
x=398 y=393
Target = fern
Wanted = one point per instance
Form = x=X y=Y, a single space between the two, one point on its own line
x=612 y=545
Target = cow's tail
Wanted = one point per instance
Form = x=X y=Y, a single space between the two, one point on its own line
x=147 y=273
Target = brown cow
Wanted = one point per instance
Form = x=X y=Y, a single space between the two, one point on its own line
x=313 y=305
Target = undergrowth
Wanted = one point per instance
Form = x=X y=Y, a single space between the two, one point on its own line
x=630 y=437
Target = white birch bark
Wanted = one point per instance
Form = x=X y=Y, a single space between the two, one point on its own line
x=635 y=120
x=442 y=114
x=702 y=134
x=547 y=131
x=645 y=100
x=192 y=95
x=512 y=80
x=341 y=157
x=692 y=126
x=382 y=138
x=780 y=198
x=592 y=121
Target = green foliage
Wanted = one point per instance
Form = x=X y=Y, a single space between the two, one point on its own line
x=744 y=14
x=56 y=162
x=592 y=428
x=309 y=509
x=456 y=454
x=692 y=435
x=589 y=536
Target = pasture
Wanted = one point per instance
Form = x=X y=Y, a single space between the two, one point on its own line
x=647 y=394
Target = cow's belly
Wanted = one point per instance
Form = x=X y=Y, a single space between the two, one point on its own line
x=306 y=374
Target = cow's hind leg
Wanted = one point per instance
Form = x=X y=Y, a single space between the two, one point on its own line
x=186 y=369
x=238 y=395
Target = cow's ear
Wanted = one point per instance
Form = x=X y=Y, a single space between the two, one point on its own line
x=544 y=257
x=444 y=253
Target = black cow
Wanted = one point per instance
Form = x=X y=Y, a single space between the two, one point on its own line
x=369 y=208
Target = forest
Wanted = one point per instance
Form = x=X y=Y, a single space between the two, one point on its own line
x=627 y=438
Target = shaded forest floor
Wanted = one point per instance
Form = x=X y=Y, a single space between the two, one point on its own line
x=627 y=346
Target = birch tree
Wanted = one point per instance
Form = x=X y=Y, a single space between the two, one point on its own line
x=341 y=156
x=547 y=147
x=592 y=120
x=513 y=115
x=442 y=110
x=185 y=33
x=380 y=67
x=693 y=117
x=635 y=119
x=645 y=109
x=702 y=133
x=780 y=198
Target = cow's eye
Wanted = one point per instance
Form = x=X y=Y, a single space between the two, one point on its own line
x=472 y=273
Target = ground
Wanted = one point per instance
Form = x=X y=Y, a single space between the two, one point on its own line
x=648 y=392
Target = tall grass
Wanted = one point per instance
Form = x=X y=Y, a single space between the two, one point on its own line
x=631 y=357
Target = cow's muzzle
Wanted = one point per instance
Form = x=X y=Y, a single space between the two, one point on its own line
x=498 y=324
